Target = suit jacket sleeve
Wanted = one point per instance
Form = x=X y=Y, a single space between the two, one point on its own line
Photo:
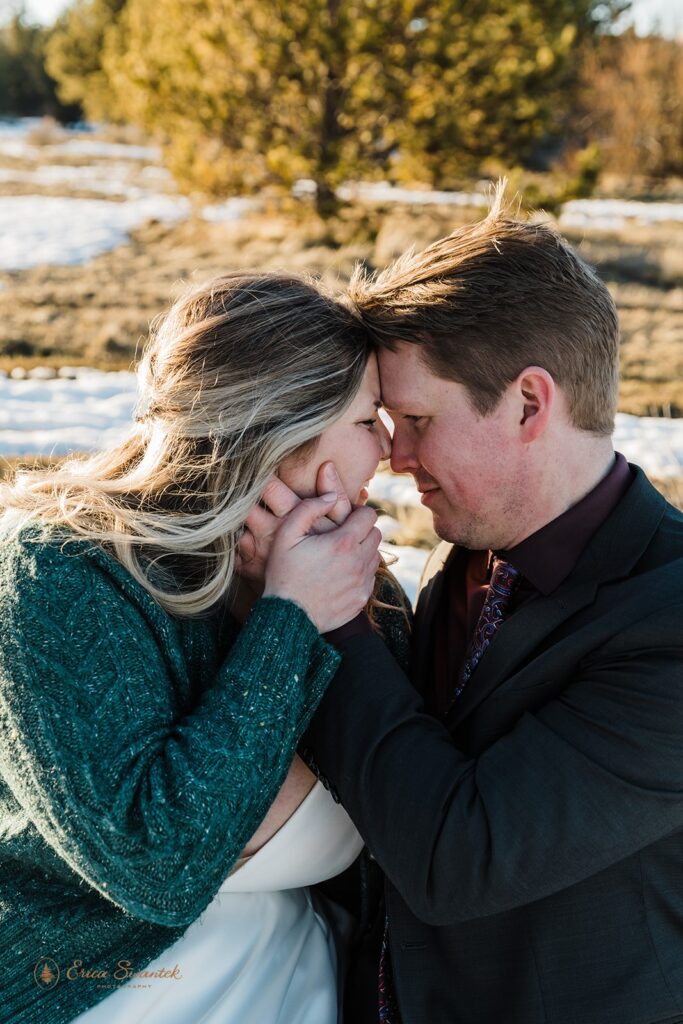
x=593 y=776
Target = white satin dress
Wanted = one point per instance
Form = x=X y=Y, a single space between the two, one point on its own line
x=260 y=953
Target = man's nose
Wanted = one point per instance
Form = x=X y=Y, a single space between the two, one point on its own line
x=403 y=456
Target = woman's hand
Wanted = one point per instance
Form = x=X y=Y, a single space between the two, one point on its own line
x=263 y=523
x=331 y=576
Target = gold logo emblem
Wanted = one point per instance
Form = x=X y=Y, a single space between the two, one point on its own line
x=46 y=973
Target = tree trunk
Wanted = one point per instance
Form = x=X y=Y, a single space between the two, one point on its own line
x=327 y=203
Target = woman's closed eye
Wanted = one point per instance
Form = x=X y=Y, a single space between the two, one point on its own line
x=368 y=423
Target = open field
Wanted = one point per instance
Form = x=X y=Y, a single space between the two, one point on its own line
x=104 y=243
x=98 y=313
x=72 y=195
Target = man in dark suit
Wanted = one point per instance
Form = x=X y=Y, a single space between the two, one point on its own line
x=523 y=794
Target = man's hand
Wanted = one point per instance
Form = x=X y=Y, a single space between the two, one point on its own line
x=331 y=576
x=262 y=525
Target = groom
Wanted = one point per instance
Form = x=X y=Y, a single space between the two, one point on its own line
x=523 y=794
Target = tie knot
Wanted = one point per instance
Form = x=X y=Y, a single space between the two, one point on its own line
x=504 y=577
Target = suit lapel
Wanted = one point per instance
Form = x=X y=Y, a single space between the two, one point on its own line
x=515 y=639
x=611 y=553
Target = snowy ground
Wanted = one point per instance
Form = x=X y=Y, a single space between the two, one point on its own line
x=65 y=230
x=45 y=417
x=611 y=214
x=114 y=178
x=407 y=565
x=135 y=188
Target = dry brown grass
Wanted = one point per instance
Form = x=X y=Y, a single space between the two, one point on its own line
x=672 y=489
x=414 y=525
x=9 y=466
x=99 y=314
x=644 y=270
x=46 y=132
x=632 y=96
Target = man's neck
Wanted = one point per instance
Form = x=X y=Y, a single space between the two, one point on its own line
x=564 y=486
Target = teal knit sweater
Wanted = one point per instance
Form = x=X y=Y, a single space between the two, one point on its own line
x=138 y=754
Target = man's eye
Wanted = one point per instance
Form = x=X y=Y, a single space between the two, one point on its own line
x=414 y=419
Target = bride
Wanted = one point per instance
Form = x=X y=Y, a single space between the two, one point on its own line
x=159 y=833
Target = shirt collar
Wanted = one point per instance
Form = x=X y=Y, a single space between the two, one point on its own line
x=547 y=557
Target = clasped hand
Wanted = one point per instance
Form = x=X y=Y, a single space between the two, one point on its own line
x=319 y=552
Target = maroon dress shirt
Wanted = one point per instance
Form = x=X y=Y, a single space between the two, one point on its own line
x=544 y=559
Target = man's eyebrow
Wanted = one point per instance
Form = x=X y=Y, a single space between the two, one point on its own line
x=409 y=411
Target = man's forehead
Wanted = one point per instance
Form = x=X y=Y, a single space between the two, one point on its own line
x=404 y=378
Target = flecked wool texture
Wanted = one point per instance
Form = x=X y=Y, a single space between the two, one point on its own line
x=138 y=754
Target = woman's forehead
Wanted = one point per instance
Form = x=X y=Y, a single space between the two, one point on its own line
x=370 y=386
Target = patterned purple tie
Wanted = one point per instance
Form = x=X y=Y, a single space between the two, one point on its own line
x=504 y=580
x=388 y=1007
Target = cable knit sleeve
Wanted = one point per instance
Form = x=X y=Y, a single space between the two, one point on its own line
x=146 y=800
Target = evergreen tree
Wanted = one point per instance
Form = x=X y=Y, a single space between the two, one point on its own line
x=252 y=93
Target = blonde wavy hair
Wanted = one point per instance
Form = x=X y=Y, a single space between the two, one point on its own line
x=240 y=373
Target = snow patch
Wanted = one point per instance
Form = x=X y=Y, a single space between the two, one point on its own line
x=38 y=230
x=610 y=214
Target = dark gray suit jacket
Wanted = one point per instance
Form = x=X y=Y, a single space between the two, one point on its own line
x=533 y=841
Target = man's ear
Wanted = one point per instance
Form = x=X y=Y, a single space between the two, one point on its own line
x=537 y=394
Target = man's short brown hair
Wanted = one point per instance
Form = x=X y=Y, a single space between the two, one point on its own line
x=493 y=298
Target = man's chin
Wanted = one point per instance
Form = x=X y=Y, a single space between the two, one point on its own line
x=452 y=532
x=445 y=520
x=443 y=531
x=442 y=527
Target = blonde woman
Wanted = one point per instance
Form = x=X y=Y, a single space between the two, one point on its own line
x=158 y=831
